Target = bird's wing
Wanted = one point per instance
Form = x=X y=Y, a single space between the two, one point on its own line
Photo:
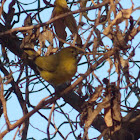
x=47 y=63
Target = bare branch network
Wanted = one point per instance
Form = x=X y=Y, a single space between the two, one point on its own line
x=92 y=85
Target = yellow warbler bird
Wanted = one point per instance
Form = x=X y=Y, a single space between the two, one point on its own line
x=68 y=21
x=57 y=68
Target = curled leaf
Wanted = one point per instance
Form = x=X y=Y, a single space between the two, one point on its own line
x=68 y=21
x=45 y=35
x=121 y=16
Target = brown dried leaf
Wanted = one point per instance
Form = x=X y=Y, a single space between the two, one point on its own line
x=121 y=16
x=90 y=118
x=108 y=117
x=119 y=41
x=112 y=115
x=86 y=108
x=28 y=20
x=49 y=50
x=124 y=62
x=45 y=35
x=61 y=33
x=125 y=65
x=68 y=21
x=125 y=68
x=111 y=65
x=96 y=94
x=103 y=19
x=116 y=108
x=29 y=40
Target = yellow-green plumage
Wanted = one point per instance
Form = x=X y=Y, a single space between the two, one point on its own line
x=58 y=68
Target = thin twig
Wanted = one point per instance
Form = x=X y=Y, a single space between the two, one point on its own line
x=54 y=19
x=4 y=104
x=49 y=121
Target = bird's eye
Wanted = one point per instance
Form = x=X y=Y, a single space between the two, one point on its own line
x=72 y=51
